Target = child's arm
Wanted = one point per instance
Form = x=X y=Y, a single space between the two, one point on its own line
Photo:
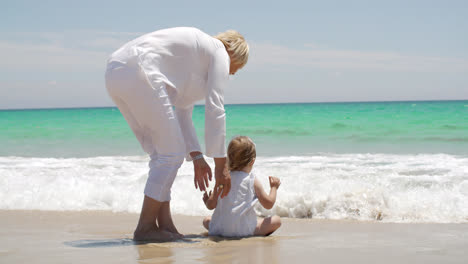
x=267 y=200
x=211 y=200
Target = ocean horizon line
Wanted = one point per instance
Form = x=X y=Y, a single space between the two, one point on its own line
x=236 y=104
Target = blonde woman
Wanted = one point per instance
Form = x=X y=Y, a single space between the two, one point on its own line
x=155 y=81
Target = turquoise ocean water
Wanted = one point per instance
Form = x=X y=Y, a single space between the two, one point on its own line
x=378 y=161
x=277 y=129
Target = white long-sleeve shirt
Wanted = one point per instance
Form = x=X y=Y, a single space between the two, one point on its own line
x=194 y=66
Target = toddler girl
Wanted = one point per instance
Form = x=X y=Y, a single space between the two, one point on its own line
x=234 y=215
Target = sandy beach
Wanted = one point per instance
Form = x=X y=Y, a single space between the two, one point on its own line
x=105 y=237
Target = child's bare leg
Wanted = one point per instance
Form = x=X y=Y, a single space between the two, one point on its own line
x=267 y=226
x=206 y=222
x=165 y=219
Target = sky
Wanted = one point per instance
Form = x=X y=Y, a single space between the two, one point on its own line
x=53 y=53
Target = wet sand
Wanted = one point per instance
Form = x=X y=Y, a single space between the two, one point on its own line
x=105 y=237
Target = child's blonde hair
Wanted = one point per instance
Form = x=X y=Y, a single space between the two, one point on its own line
x=241 y=151
x=236 y=45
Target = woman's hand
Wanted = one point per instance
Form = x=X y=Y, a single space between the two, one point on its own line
x=222 y=176
x=202 y=174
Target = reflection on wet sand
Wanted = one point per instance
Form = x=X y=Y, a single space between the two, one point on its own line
x=153 y=253
x=246 y=250
x=211 y=250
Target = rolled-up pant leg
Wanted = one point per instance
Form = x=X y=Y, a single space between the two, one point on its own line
x=149 y=113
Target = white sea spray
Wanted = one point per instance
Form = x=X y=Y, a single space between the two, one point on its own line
x=384 y=187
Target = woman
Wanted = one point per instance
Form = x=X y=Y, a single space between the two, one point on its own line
x=155 y=81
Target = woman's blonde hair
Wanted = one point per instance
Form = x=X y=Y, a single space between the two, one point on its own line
x=236 y=46
x=241 y=151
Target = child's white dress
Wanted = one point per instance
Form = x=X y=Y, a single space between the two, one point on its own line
x=234 y=215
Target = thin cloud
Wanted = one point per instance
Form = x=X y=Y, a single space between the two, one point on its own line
x=267 y=55
x=88 y=50
x=79 y=50
x=28 y=57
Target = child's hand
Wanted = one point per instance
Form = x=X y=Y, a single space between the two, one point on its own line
x=206 y=196
x=274 y=182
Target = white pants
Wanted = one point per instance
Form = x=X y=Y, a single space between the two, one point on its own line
x=149 y=113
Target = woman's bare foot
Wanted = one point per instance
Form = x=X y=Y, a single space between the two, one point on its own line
x=153 y=234
x=165 y=222
x=173 y=230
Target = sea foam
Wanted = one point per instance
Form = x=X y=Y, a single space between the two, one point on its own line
x=384 y=187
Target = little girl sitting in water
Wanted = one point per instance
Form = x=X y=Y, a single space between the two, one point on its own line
x=234 y=215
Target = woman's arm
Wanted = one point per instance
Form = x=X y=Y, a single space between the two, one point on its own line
x=222 y=176
x=267 y=200
x=201 y=169
x=215 y=116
